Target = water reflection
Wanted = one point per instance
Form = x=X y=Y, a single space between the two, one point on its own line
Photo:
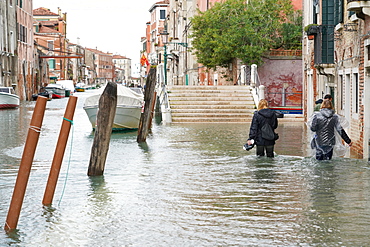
x=189 y=184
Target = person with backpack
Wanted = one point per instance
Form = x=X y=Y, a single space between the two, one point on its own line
x=262 y=130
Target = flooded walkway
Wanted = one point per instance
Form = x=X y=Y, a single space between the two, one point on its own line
x=189 y=185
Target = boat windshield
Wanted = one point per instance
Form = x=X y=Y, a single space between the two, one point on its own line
x=5 y=90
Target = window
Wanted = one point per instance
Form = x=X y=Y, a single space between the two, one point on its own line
x=51 y=45
x=340 y=92
x=22 y=35
x=162 y=14
x=52 y=63
x=338 y=11
x=328 y=22
x=12 y=46
x=355 y=93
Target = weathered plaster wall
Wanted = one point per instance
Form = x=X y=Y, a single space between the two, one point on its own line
x=282 y=77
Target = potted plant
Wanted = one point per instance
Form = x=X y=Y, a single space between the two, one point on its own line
x=312 y=29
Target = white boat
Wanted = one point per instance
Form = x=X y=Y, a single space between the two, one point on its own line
x=68 y=86
x=58 y=91
x=128 y=111
x=8 y=98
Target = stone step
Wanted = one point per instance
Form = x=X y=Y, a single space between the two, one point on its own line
x=231 y=87
x=212 y=98
x=215 y=120
x=211 y=106
x=210 y=103
x=209 y=94
x=212 y=115
x=218 y=111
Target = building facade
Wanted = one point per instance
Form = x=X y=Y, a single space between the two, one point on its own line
x=8 y=45
x=336 y=61
x=27 y=68
x=122 y=66
x=50 y=35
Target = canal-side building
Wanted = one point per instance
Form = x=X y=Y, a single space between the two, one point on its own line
x=336 y=61
x=27 y=66
x=172 y=46
x=8 y=45
x=122 y=66
x=102 y=63
x=77 y=70
x=91 y=66
x=50 y=35
x=156 y=51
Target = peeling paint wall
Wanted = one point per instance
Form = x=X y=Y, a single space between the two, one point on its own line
x=282 y=79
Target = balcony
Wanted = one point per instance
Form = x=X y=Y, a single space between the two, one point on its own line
x=360 y=7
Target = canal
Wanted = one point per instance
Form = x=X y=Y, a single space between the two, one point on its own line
x=189 y=185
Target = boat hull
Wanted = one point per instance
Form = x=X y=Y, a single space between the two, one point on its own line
x=127 y=117
x=57 y=91
x=8 y=100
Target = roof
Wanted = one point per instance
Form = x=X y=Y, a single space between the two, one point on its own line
x=164 y=3
x=49 y=23
x=119 y=57
x=43 y=12
x=44 y=29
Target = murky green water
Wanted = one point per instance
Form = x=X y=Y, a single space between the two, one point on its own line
x=190 y=185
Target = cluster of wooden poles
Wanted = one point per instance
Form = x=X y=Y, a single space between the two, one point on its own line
x=99 y=150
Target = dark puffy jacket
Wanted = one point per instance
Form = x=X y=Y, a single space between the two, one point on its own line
x=259 y=119
x=325 y=123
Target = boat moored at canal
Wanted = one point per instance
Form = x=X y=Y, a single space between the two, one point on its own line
x=58 y=90
x=128 y=111
x=8 y=98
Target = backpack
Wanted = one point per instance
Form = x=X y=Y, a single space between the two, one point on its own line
x=268 y=133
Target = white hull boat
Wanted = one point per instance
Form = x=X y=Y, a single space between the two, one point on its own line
x=8 y=98
x=128 y=111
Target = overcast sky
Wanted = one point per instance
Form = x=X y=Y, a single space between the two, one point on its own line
x=114 y=26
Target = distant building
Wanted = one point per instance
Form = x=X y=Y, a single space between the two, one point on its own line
x=122 y=69
x=50 y=35
x=77 y=70
x=103 y=63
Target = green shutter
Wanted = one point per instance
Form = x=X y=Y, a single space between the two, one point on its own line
x=328 y=22
x=338 y=11
x=51 y=63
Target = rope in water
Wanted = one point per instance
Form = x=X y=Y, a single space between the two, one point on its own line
x=69 y=161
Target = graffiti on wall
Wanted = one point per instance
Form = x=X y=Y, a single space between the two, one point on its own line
x=283 y=91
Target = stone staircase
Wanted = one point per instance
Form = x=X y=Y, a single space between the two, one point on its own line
x=211 y=104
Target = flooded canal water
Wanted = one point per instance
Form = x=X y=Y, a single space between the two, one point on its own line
x=189 y=185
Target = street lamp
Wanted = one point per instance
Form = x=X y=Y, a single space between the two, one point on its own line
x=165 y=40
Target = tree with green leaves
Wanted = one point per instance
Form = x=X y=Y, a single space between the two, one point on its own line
x=242 y=29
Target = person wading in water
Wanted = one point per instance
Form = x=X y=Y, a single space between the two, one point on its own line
x=262 y=116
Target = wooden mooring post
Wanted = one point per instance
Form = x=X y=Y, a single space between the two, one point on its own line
x=26 y=164
x=103 y=130
x=59 y=151
x=149 y=98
